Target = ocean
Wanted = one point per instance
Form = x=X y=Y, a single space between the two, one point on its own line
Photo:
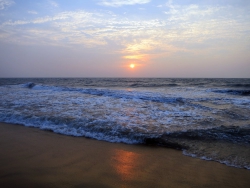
x=205 y=118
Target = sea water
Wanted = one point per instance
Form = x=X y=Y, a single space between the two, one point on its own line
x=205 y=118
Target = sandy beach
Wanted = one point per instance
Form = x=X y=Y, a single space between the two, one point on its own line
x=35 y=158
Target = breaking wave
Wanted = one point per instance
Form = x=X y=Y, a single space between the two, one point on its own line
x=186 y=114
x=234 y=92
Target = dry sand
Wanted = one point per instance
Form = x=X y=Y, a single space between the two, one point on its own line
x=34 y=158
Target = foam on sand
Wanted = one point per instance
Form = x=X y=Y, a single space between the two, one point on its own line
x=35 y=158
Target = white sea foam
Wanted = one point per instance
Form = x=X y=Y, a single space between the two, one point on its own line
x=148 y=112
x=235 y=162
x=121 y=114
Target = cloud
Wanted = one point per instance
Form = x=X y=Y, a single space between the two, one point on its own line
x=5 y=3
x=15 y=23
x=189 y=28
x=191 y=12
x=53 y=3
x=118 y=3
x=200 y=23
x=89 y=29
x=60 y=16
x=32 y=12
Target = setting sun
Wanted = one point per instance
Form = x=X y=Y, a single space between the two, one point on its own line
x=132 y=66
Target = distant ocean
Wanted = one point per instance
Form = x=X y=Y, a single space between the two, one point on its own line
x=205 y=118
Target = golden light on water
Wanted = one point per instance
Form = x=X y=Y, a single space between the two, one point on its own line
x=126 y=163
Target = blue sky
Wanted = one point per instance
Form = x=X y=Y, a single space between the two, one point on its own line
x=101 y=38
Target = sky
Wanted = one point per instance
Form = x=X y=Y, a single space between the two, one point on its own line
x=103 y=38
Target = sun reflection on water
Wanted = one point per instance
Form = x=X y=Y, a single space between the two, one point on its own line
x=125 y=163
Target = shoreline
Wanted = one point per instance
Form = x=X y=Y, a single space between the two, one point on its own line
x=31 y=157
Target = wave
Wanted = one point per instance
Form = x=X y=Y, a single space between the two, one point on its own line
x=208 y=144
x=135 y=95
x=79 y=126
x=227 y=145
x=190 y=122
x=232 y=134
x=91 y=128
x=239 y=85
x=152 y=85
x=234 y=92
x=133 y=83
x=151 y=96
x=29 y=85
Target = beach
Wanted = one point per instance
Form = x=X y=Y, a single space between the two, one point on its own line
x=31 y=157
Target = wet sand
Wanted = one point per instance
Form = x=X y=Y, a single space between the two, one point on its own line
x=31 y=157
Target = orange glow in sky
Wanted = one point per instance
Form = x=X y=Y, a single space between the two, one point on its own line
x=132 y=66
x=163 y=38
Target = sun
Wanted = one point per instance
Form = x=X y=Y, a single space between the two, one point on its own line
x=132 y=66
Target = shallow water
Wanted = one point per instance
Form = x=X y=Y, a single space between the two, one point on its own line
x=206 y=118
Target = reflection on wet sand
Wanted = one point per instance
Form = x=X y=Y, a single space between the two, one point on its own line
x=125 y=163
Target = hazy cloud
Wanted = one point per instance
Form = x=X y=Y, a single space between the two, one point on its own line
x=182 y=28
x=166 y=33
x=32 y=12
x=53 y=3
x=118 y=3
x=5 y=3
